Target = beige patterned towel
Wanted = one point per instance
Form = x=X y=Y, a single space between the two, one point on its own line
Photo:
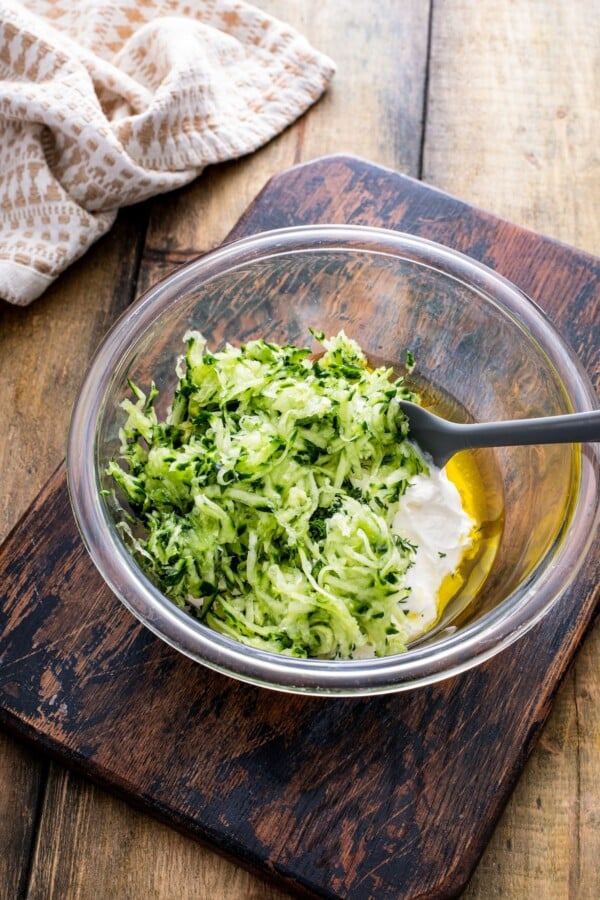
x=107 y=102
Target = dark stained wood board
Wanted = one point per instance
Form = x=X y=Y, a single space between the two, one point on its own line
x=384 y=797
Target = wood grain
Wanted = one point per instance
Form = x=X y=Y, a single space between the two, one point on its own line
x=22 y=776
x=512 y=125
x=147 y=859
x=44 y=351
x=380 y=74
x=512 y=117
x=284 y=782
x=496 y=134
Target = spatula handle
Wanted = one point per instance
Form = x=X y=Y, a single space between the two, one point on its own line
x=572 y=428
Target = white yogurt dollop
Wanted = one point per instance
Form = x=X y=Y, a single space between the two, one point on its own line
x=432 y=517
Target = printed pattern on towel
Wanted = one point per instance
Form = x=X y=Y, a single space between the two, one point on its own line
x=103 y=105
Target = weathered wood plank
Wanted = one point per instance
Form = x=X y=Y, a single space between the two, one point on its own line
x=106 y=849
x=373 y=109
x=513 y=124
x=512 y=114
x=22 y=781
x=235 y=765
x=44 y=352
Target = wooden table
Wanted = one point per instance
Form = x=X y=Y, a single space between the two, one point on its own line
x=494 y=102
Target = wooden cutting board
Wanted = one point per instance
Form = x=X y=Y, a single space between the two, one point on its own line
x=386 y=797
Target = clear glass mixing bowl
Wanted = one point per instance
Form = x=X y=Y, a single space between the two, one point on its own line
x=484 y=351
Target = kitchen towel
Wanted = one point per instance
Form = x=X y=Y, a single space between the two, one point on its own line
x=105 y=104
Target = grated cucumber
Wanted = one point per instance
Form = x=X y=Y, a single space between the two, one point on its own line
x=264 y=503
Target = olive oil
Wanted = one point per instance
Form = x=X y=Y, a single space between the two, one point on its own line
x=476 y=476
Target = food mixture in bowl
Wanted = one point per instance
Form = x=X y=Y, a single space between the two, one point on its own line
x=282 y=503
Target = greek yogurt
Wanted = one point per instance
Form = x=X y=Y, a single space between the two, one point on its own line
x=432 y=517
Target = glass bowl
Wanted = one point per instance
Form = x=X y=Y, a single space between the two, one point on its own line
x=484 y=351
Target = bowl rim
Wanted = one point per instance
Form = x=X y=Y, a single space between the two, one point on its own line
x=424 y=664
